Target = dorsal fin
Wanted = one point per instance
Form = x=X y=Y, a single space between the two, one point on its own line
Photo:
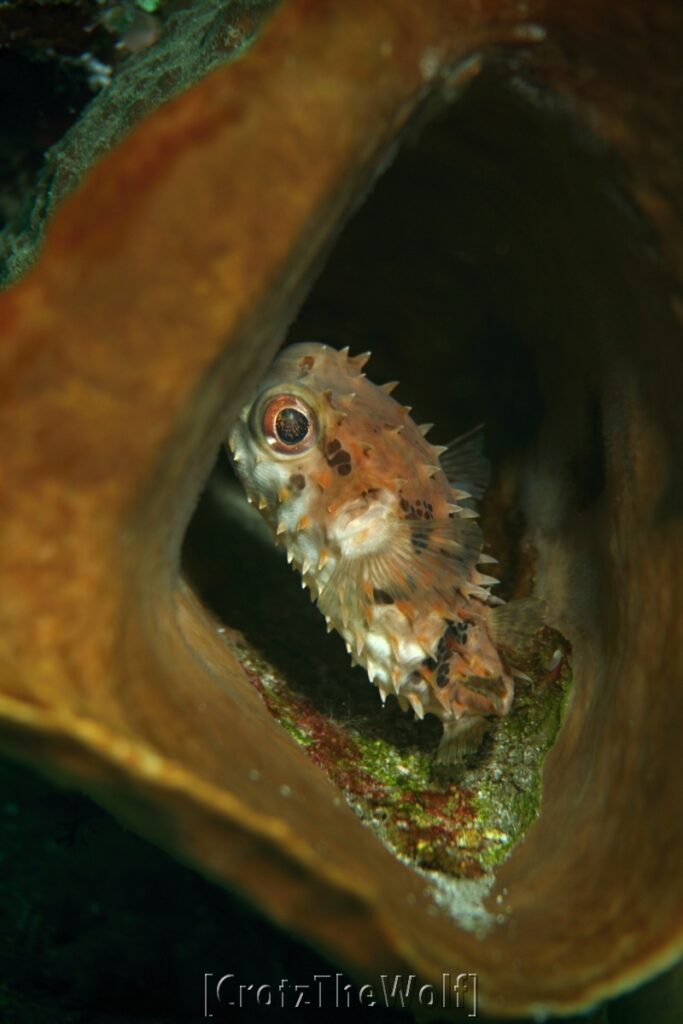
x=465 y=465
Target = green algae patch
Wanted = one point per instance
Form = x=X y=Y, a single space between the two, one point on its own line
x=458 y=821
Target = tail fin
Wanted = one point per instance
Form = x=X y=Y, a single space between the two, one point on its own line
x=514 y=624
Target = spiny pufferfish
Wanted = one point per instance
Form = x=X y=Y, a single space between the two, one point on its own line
x=382 y=525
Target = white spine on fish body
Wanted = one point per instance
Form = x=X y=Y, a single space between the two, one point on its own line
x=388 y=648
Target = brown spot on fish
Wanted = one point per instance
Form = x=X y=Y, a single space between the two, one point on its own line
x=420 y=541
x=458 y=630
x=338 y=458
x=442 y=675
x=417 y=510
x=297 y=481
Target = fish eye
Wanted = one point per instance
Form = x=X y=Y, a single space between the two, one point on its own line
x=289 y=425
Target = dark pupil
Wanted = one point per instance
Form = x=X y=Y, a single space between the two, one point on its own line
x=291 y=426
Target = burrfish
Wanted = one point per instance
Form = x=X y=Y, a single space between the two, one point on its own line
x=382 y=525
